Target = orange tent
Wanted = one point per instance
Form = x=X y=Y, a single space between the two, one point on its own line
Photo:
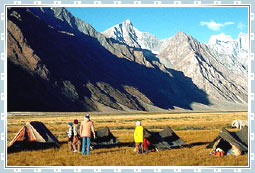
x=34 y=131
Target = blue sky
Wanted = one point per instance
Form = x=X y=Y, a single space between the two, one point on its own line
x=165 y=22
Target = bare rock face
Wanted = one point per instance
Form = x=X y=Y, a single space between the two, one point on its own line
x=56 y=62
x=198 y=61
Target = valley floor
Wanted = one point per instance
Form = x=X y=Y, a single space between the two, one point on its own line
x=197 y=129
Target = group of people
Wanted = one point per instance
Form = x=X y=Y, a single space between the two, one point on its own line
x=79 y=137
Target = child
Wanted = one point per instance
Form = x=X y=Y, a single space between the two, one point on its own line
x=76 y=136
x=70 y=136
x=138 y=137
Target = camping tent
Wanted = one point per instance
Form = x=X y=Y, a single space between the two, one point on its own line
x=104 y=137
x=33 y=132
x=225 y=139
x=164 y=139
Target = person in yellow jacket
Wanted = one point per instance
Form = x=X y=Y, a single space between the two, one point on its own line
x=138 y=137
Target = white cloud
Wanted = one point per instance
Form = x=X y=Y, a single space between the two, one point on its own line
x=241 y=26
x=215 y=26
x=228 y=23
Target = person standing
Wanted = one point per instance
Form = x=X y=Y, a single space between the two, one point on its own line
x=70 y=135
x=76 y=136
x=138 y=137
x=86 y=128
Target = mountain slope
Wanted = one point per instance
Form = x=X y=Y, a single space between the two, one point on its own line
x=219 y=68
x=197 y=61
x=65 y=65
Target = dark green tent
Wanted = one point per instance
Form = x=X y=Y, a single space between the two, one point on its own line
x=226 y=138
x=104 y=137
x=164 y=139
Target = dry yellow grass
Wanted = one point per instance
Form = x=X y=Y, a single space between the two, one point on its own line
x=196 y=129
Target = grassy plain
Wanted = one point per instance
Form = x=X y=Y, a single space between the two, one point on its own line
x=197 y=129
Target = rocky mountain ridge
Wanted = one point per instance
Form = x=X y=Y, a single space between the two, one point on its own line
x=233 y=54
x=210 y=66
x=64 y=64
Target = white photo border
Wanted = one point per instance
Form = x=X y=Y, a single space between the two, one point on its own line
x=4 y=168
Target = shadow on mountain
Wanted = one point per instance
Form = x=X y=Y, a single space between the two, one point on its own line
x=73 y=62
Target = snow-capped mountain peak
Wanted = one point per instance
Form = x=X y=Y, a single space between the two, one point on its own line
x=126 y=33
x=225 y=44
x=127 y=21
x=230 y=52
x=221 y=36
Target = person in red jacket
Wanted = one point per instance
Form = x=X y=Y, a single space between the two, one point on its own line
x=146 y=144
